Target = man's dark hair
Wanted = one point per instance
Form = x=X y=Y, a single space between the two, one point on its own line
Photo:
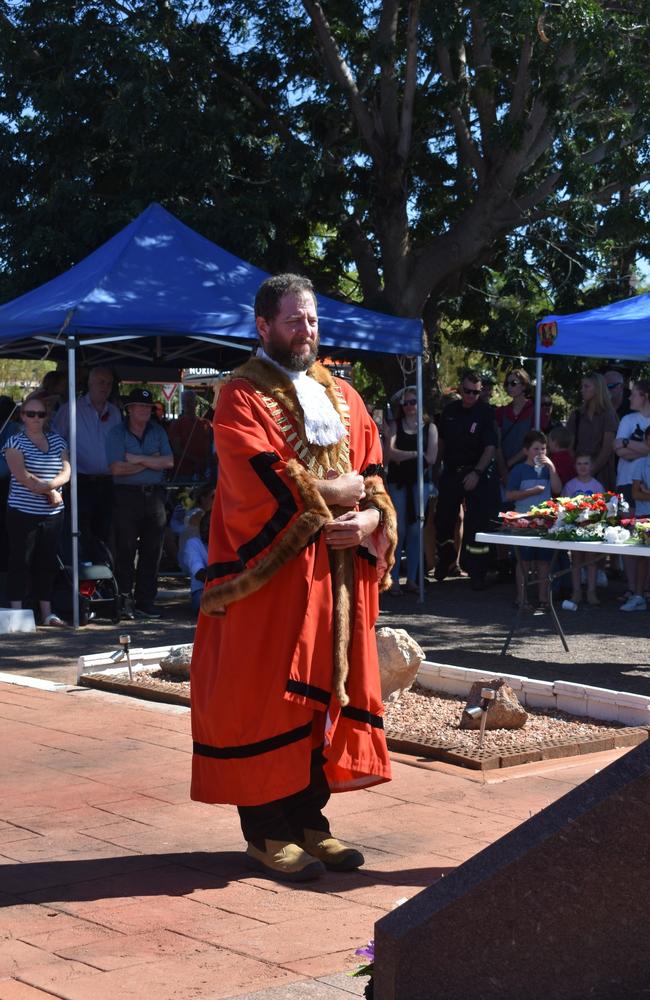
x=471 y=376
x=532 y=436
x=267 y=300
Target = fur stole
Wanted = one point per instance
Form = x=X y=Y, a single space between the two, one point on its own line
x=271 y=381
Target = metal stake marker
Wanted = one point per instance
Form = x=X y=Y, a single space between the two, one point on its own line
x=488 y=695
x=125 y=641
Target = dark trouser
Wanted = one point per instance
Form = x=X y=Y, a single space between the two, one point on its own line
x=4 y=538
x=480 y=509
x=139 y=520
x=287 y=819
x=95 y=499
x=33 y=543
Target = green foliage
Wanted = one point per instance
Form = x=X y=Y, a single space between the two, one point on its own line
x=513 y=183
x=368 y=385
x=16 y=377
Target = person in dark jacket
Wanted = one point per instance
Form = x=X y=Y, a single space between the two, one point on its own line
x=468 y=443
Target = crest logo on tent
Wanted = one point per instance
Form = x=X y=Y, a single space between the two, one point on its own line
x=547 y=333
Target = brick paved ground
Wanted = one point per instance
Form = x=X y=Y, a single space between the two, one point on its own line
x=114 y=885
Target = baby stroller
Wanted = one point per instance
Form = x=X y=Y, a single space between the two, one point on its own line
x=98 y=592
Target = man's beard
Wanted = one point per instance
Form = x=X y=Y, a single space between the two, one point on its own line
x=290 y=360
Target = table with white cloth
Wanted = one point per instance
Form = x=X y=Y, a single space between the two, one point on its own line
x=518 y=540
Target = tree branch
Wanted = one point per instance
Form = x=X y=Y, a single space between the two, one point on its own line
x=365 y=258
x=410 y=80
x=341 y=74
x=256 y=99
x=386 y=44
x=482 y=51
x=468 y=153
x=590 y=158
x=521 y=86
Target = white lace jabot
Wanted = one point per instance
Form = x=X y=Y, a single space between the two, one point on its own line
x=322 y=423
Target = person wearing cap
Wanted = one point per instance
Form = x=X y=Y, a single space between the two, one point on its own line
x=138 y=453
x=191 y=440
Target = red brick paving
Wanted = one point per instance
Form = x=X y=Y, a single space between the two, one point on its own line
x=114 y=884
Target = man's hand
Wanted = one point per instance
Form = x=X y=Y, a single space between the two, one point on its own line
x=342 y=491
x=54 y=498
x=470 y=481
x=350 y=529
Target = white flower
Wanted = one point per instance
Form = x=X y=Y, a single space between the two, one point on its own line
x=615 y=535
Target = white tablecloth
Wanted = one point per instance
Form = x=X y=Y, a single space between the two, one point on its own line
x=595 y=548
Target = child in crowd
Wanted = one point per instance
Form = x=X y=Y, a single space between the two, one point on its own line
x=195 y=556
x=531 y=482
x=640 y=473
x=559 y=447
x=583 y=484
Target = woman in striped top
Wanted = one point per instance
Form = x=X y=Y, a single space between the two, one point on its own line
x=39 y=467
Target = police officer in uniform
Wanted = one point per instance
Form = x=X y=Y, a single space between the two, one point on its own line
x=468 y=442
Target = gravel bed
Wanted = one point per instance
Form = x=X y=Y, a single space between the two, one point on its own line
x=428 y=717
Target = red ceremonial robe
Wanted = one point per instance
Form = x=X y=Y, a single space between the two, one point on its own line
x=262 y=669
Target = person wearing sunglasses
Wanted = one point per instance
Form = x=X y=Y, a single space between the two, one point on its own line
x=402 y=455
x=514 y=421
x=39 y=466
x=618 y=392
x=468 y=440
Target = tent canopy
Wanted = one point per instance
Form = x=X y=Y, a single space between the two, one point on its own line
x=619 y=330
x=159 y=278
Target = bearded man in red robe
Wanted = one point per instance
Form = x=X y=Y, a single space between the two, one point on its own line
x=286 y=698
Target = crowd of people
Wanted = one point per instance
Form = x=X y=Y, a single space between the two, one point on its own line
x=480 y=459
x=128 y=456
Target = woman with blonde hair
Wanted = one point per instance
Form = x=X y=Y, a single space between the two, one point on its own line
x=592 y=427
x=514 y=421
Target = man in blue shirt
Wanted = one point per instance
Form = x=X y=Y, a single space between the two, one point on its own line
x=95 y=418
x=138 y=453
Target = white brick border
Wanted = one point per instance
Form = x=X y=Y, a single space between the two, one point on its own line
x=578 y=699
x=97 y=663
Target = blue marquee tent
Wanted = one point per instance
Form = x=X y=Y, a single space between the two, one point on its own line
x=159 y=293
x=619 y=330
x=159 y=278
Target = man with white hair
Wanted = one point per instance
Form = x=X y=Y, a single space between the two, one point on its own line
x=95 y=417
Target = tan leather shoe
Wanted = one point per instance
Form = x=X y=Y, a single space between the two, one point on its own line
x=334 y=855
x=284 y=861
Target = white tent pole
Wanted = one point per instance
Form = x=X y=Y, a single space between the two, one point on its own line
x=74 y=509
x=538 y=393
x=422 y=512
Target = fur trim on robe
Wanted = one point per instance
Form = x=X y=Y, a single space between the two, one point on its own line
x=316 y=513
x=384 y=546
